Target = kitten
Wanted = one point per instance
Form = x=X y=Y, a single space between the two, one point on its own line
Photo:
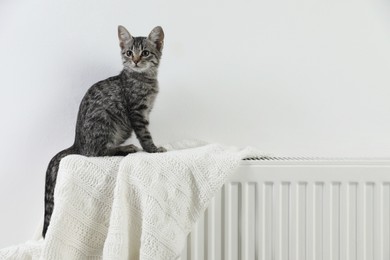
x=112 y=108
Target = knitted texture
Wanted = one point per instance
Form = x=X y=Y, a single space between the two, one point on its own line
x=141 y=206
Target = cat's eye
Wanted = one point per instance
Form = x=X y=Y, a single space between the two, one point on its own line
x=145 y=53
x=129 y=53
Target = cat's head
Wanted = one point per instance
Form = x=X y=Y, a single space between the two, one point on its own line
x=141 y=54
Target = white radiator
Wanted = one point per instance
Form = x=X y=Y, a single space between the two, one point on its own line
x=298 y=209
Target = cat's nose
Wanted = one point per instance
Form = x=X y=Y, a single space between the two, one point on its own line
x=136 y=59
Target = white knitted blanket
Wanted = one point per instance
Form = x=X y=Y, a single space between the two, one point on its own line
x=141 y=206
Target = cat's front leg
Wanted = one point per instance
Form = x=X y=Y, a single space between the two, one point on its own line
x=140 y=126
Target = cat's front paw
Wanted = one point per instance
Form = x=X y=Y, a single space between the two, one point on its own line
x=156 y=150
x=161 y=150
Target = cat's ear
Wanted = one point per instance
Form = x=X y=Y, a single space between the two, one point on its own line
x=124 y=36
x=157 y=37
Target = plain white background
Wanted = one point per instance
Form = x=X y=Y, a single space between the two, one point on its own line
x=289 y=77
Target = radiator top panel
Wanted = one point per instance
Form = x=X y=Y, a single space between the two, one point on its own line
x=269 y=160
x=305 y=158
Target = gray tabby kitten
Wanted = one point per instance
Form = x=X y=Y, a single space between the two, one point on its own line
x=112 y=108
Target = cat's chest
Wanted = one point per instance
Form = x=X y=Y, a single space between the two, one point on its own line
x=142 y=98
x=147 y=105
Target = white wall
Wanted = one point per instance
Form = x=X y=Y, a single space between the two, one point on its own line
x=289 y=77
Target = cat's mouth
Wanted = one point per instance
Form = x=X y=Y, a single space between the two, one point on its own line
x=138 y=68
x=138 y=65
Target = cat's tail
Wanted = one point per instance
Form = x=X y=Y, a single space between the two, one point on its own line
x=51 y=178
